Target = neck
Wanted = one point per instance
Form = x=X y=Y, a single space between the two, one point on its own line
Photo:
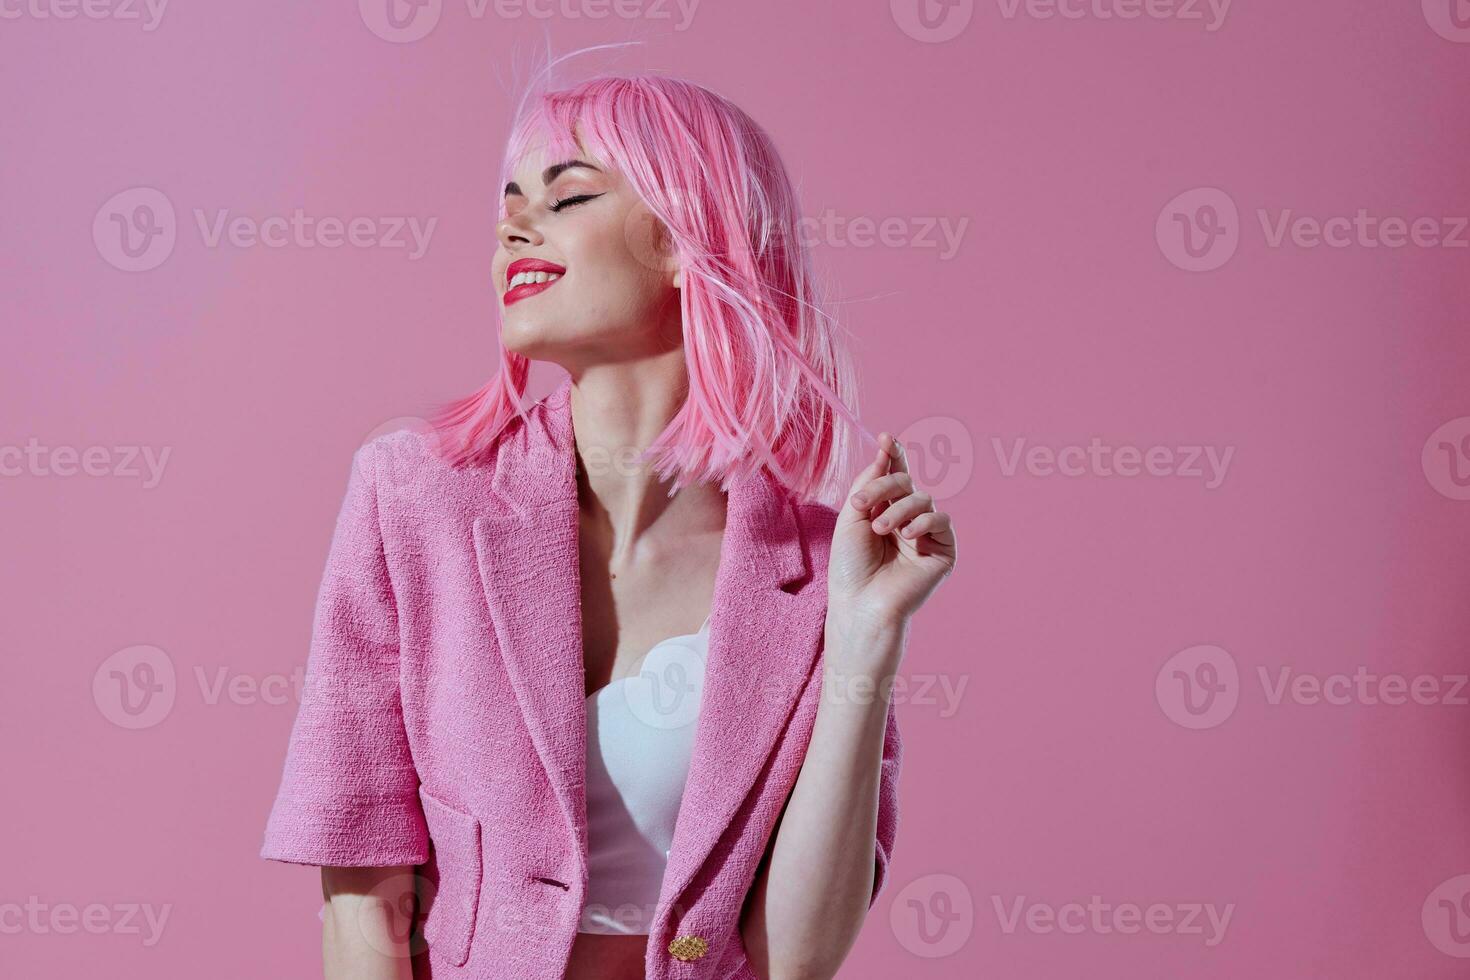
x=617 y=412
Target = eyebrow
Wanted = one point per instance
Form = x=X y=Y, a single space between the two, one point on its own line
x=550 y=174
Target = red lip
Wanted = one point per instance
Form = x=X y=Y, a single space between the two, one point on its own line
x=531 y=288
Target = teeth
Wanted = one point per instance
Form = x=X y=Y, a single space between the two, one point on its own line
x=522 y=278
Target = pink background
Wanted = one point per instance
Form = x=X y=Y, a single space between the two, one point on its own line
x=1067 y=767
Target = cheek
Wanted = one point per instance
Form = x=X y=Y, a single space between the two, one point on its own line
x=604 y=241
x=644 y=243
x=618 y=260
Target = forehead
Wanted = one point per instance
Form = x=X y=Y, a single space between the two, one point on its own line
x=538 y=151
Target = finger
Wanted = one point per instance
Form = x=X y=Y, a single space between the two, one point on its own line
x=902 y=511
x=876 y=468
x=884 y=489
x=936 y=524
x=851 y=511
x=896 y=452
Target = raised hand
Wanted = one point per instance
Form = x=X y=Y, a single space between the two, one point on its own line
x=890 y=548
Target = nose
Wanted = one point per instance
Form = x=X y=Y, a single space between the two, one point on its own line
x=518 y=230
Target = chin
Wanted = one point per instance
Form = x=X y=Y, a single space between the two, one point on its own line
x=537 y=341
x=527 y=337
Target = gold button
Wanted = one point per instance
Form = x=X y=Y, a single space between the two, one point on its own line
x=688 y=948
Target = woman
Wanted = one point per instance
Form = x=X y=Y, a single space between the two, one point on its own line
x=604 y=681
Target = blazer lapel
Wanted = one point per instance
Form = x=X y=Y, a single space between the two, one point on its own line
x=764 y=633
x=527 y=546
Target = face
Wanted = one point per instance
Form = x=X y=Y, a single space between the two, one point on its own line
x=584 y=272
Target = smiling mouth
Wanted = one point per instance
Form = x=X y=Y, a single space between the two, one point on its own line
x=530 y=282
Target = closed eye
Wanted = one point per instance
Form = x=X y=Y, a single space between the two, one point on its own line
x=573 y=201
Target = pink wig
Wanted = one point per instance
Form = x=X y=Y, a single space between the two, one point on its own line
x=768 y=372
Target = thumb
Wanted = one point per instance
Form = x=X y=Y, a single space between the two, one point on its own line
x=878 y=467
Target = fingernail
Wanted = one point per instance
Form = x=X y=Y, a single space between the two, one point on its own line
x=859 y=500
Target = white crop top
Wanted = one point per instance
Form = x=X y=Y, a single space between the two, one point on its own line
x=640 y=737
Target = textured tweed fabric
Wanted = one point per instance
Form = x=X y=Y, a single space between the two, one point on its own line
x=443 y=725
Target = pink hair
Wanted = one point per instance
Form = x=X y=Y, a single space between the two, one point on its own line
x=768 y=372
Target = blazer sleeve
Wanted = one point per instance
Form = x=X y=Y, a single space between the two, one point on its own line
x=349 y=791
x=887 y=802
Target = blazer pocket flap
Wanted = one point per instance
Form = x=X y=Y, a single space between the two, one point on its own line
x=450 y=923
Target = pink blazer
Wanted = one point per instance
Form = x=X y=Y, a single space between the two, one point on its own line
x=442 y=722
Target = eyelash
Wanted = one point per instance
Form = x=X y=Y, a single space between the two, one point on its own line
x=572 y=201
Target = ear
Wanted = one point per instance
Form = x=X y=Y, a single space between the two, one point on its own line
x=664 y=244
